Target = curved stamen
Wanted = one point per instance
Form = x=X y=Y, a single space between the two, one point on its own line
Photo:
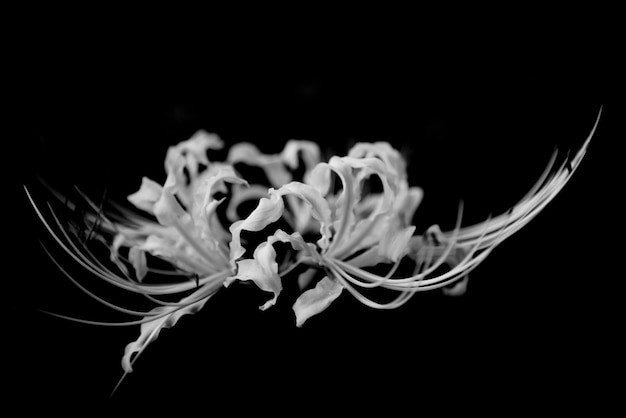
x=345 y=279
x=89 y=293
x=137 y=322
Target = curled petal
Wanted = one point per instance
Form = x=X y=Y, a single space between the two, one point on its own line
x=269 y=210
x=262 y=270
x=344 y=214
x=319 y=206
x=204 y=203
x=147 y=195
x=168 y=211
x=297 y=243
x=385 y=152
x=199 y=143
x=176 y=182
x=150 y=330
x=273 y=165
x=193 y=151
x=316 y=300
x=242 y=194
x=310 y=154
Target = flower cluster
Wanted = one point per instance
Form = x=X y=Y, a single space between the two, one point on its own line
x=344 y=224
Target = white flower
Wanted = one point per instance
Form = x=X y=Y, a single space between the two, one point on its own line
x=348 y=221
x=358 y=230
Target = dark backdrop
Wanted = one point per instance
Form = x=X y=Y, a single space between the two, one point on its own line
x=478 y=126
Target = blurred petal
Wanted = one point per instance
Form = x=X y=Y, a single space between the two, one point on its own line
x=168 y=211
x=242 y=194
x=119 y=241
x=147 y=195
x=407 y=202
x=159 y=246
x=310 y=154
x=316 y=300
x=137 y=258
x=368 y=258
x=182 y=257
x=199 y=143
x=395 y=244
x=304 y=279
x=176 y=181
x=385 y=152
x=457 y=289
x=273 y=165
x=193 y=151
x=319 y=178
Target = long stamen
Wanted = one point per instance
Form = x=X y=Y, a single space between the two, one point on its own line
x=111 y=278
x=345 y=279
x=137 y=322
x=89 y=293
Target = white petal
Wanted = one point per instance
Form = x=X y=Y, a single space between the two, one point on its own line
x=193 y=151
x=137 y=257
x=305 y=278
x=209 y=185
x=147 y=195
x=119 y=241
x=385 y=152
x=366 y=233
x=245 y=152
x=269 y=210
x=205 y=205
x=369 y=258
x=159 y=246
x=168 y=211
x=344 y=214
x=174 y=166
x=310 y=154
x=199 y=143
x=457 y=289
x=319 y=206
x=395 y=244
x=319 y=178
x=407 y=202
x=273 y=165
x=262 y=270
x=150 y=330
x=297 y=243
x=242 y=194
x=315 y=300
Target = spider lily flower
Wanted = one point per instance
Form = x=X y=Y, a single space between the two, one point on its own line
x=185 y=231
x=347 y=233
x=358 y=231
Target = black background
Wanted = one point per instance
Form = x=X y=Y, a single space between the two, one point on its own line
x=479 y=121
